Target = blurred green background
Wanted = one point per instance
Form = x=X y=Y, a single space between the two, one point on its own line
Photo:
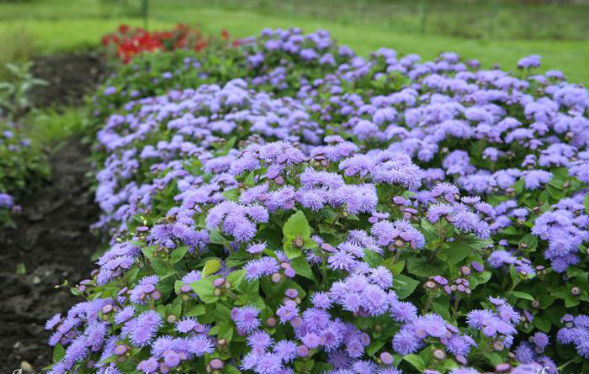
x=493 y=31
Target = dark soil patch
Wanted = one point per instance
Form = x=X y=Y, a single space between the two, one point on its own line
x=54 y=244
x=70 y=76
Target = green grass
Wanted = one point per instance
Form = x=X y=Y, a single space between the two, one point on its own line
x=48 y=127
x=63 y=25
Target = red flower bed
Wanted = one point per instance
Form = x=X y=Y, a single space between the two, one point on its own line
x=128 y=41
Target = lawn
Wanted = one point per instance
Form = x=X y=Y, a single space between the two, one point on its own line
x=58 y=26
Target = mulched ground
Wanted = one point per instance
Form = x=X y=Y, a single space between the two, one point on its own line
x=52 y=238
x=54 y=243
x=70 y=77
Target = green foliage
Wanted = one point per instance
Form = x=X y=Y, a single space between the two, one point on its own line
x=14 y=100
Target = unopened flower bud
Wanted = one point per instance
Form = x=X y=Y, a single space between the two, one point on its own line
x=498 y=345
x=302 y=350
x=107 y=309
x=219 y=282
x=216 y=364
x=575 y=291
x=185 y=289
x=386 y=358
x=439 y=354
x=502 y=367
x=430 y=284
x=120 y=350
x=276 y=277
x=171 y=318
x=156 y=295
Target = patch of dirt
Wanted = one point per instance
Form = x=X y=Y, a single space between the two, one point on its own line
x=54 y=243
x=70 y=76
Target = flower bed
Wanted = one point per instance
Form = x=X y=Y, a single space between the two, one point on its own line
x=321 y=212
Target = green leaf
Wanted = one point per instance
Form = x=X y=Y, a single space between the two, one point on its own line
x=236 y=277
x=372 y=258
x=542 y=323
x=375 y=346
x=58 y=353
x=290 y=251
x=110 y=359
x=302 y=268
x=197 y=310
x=404 y=285
x=205 y=290
x=421 y=267
x=217 y=238
x=148 y=252
x=297 y=225
x=586 y=203
x=454 y=253
x=522 y=295
x=178 y=254
x=416 y=361
x=211 y=267
x=162 y=268
x=442 y=310
x=229 y=369
x=232 y=194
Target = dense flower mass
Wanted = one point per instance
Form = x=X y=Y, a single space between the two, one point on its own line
x=317 y=212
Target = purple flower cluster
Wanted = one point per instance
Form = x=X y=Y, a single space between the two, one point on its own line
x=290 y=215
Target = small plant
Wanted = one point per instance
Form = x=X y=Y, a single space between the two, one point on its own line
x=14 y=93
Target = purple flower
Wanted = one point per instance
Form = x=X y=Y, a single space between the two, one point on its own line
x=246 y=318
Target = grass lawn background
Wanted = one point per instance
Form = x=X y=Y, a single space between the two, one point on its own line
x=67 y=25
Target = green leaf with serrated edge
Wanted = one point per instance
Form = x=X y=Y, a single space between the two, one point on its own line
x=148 y=251
x=230 y=369
x=211 y=267
x=58 y=353
x=231 y=195
x=375 y=346
x=297 y=226
x=290 y=251
x=177 y=307
x=216 y=237
x=372 y=258
x=177 y=285
x=442 y=310
x=178 y=254
x=197 y=310
x=236 y=277
x=542 y=323
x=302 y=268
x=404 y=285
x=421 y=267
x=415 y=361
x=204 y=290
x=522 y=295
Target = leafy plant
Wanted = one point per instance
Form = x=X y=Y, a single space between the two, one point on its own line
x=14 y=101
x=324 y=213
